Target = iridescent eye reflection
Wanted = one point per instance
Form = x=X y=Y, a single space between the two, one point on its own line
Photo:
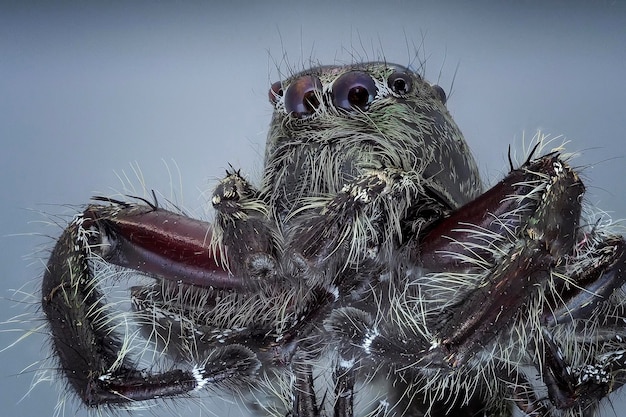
x=302 y=96
x=354 y=89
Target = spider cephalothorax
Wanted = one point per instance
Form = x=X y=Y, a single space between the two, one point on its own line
x=369 y=274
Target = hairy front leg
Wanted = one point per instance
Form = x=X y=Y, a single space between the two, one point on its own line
x=585 y=303
x=90 y=346
x=553 y=276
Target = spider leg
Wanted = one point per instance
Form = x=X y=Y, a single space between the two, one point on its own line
x=90 y=352
x=358 y=345
x=592 y=277
x=525 y=398
x=344 y=388
x=548 y=252
x=218 y=307
x=154 y=241
x=547 y=236
x=480 y=229
x=304 y=401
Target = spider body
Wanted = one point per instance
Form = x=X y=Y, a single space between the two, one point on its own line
x=369 y=252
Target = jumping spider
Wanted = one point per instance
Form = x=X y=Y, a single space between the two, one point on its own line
x=369 y=274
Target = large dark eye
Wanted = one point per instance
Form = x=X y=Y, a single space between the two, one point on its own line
x=302 y=96
x=440 y=93
x=276 y=91
x=400 y=83
x=354 y=89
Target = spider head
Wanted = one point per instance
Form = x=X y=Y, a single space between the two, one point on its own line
x=332 y=123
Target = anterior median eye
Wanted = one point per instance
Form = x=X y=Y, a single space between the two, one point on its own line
x=354 y=89
x=302 y=97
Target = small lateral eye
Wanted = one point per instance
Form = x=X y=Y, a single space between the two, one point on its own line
x=354 y=89
x=400 y=83
x=302 y=96
x=275 y=91
x=440 y=93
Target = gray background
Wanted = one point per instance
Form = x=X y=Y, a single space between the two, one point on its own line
x=86 y=90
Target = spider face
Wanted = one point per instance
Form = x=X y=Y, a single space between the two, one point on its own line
x=369 y=274
x=332 y=124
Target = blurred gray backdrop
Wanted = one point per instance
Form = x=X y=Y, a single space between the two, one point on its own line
x=87 y=90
